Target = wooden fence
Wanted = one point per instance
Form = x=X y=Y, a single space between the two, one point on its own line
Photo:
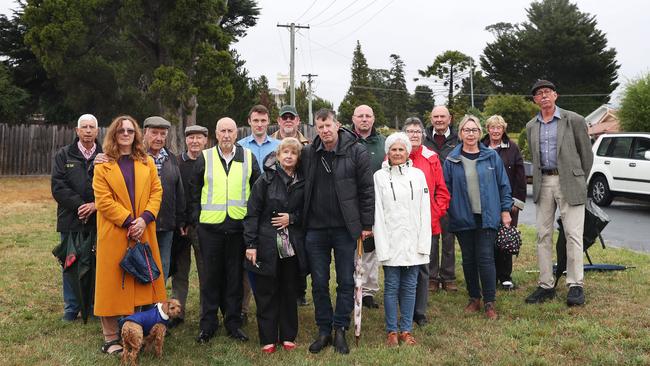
x=27 y=149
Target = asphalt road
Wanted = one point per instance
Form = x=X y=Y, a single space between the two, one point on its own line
x=629 y=226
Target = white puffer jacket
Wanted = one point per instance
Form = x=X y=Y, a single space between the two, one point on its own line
x=402 y=227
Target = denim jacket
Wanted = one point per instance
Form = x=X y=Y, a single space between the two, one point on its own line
x=493 y=185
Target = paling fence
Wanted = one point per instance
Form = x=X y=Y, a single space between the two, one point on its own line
x=27 y=149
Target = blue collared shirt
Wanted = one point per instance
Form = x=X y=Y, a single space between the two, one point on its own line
x=260 y=151
x=548 y=140
x=160 y=159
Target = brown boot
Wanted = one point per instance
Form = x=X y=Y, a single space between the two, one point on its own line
x=490 y=310
x=473 y=306
x=434 y=285
x=391 y=340
x=450 y=286
x=407 y=338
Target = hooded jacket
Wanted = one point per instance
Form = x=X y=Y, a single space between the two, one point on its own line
x=375 y=145
x=275 y=191
x=353 y=177
x=402 y=227
x=72 y=186
x=493 y=185
x=428 y=162
x=514 y=163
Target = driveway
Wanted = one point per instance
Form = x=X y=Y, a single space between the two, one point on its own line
x=629 y=226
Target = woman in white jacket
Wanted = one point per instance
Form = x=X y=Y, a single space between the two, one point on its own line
x=402 y=233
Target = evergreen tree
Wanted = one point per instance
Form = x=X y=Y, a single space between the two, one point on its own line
x=514 y=109
x=448 y=68
x=264 y=97
x=302 y=102
x=397 y=104
x=635 y=106
x=359 y=91
x=422 y=103
x=559 y=43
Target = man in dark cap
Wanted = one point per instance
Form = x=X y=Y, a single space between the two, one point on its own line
x=196 y=139
x=562 y=158
x=172 y=208
x=289 y=125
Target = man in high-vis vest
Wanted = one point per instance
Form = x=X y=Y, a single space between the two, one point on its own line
x=220 y=186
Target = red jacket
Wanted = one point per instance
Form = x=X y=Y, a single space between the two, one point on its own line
x=428 y=161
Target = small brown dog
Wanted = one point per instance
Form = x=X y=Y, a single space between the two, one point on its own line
x=147 y=327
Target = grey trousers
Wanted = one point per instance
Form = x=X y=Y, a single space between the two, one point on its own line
x=182 y=263
x=442 y=267
x=370 y=278
x=422 y=288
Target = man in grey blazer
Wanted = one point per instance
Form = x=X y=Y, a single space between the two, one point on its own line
x=562 y=158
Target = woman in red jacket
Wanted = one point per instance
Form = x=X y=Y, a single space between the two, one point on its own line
x=428 y=161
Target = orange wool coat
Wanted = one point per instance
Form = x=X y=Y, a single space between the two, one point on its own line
x=113 y=207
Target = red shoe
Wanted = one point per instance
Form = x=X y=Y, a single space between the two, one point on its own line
x=288 y=346
x=269 y=348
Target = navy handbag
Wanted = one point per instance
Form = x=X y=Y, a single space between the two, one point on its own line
x=138 y=262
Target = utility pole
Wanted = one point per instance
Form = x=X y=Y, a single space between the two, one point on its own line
x=310 y=97
x=292 y=30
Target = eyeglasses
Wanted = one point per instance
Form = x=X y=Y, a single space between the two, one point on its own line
x=541 y=92
x=290 y=117
x=471 y=130
x=327 y=167
x=413 y=132
x=363 y=115
x=128 y=131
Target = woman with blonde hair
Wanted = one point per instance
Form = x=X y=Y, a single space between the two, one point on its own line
x=480 y=201
x=275 y=245
x=127 y=198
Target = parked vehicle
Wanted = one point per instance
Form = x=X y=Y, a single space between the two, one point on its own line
x=621 y=167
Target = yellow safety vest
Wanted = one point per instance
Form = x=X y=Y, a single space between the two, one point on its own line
x=224 y=193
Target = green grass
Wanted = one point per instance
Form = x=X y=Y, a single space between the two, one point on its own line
x=613 y=328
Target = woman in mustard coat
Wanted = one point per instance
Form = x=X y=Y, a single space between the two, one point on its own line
x=127 y=198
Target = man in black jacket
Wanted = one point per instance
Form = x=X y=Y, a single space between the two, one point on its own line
x=172 y=208
x=73 y=191
x=442 y=138
x=339 y=208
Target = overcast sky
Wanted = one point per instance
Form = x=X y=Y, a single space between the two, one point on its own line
x=417 y=30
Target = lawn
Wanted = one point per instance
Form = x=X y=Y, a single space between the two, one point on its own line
x=613 y=328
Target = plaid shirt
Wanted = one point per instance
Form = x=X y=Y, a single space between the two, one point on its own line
x=86 y=153
x=160 y=159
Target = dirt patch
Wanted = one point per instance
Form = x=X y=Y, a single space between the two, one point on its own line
x=16 y=191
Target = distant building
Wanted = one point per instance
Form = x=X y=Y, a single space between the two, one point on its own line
x=282 y=84
x=602 y=120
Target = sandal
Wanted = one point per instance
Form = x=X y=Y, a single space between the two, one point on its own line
x=107 y=346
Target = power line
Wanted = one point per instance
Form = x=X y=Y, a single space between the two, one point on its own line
x=306 y=11
x=362 y=25
x=344 y=19
x=322 y=12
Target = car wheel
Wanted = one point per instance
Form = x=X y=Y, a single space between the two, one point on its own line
x=599 y=191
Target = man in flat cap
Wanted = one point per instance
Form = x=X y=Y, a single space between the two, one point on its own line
x=172 y=208
x=562 y=158
x=289 y=125
x=196 y=139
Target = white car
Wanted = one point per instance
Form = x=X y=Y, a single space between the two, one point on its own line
x=621 y=167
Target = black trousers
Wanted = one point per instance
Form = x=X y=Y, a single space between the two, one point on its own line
x=302 y=286
x=223 y=255
x=503 y=264
x=277 y=309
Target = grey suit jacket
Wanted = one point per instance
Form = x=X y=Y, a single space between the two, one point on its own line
x=574 y=156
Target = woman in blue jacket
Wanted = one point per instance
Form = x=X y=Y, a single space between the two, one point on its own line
x=480 y=201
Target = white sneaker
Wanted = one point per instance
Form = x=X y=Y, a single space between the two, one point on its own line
x=508 y=285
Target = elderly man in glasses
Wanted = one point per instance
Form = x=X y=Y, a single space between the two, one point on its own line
x=289 y=125
x=562 y=158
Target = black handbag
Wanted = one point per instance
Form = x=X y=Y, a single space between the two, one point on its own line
x=138 y=262
x=508 y=240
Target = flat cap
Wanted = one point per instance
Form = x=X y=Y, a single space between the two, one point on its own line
x=288 y=109
x=541 y=83
x=189 y=130
x=156 y=122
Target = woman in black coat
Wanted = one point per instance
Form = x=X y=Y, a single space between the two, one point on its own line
x=275 y=245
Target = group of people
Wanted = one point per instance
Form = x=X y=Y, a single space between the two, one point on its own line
x=264 y=212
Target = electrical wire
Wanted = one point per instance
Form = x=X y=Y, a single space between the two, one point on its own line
x=321 y=13
x=340 y=11
x=306 y=11
x=362 y=25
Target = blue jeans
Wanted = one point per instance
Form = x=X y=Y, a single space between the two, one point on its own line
x=477 y=247
x=165 y=239
x=399 y=288
x=319 y=244
x=70 y=304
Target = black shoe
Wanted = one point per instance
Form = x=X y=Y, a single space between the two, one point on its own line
x=175 y=322
x=69 y=317
x=204 y=337
x=369 y=302
x=321 y=342
x=576 y=296
x=540 y=295
x=340 y=344
x=238 y=334
x=420 y=320
x=302 y=301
